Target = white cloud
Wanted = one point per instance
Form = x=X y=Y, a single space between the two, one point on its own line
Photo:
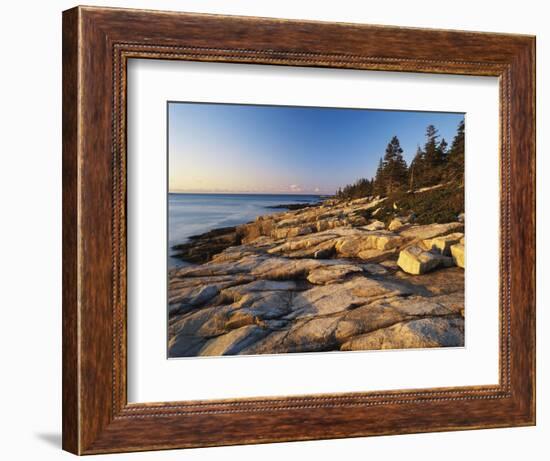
x=316 y=190
x=295 y=188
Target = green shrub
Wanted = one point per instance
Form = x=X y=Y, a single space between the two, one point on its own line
x=439 y=205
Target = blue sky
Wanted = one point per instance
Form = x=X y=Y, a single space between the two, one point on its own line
x=275 y=149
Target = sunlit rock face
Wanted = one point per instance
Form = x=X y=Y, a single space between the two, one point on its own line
x=322 y=278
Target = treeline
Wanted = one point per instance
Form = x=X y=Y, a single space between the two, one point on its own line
x=436 y=162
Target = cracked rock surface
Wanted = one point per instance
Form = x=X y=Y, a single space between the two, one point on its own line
x=321 y=278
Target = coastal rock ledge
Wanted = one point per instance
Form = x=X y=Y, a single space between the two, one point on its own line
x=319 y=278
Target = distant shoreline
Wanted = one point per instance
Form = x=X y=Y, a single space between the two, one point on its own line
x=292 y=206
x=258 y=194
x=224 y=237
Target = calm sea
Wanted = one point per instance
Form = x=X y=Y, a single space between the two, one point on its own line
x=193 y=214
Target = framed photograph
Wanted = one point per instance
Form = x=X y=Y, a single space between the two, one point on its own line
x=281 y=230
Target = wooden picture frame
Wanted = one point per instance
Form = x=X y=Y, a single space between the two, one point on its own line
x=97 y=43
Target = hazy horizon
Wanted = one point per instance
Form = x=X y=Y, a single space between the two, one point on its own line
x=245 y=193
x=283 y=150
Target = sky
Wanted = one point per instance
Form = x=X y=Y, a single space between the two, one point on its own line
x=234 y=148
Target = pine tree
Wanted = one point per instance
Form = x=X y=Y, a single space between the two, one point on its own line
x=363 y=187
x=430 y=148
x=416 y=170
x=431 y=165
x=455 y=164
x=394 y=167
x=434 y=157
x=379 y=180
x=443 y=150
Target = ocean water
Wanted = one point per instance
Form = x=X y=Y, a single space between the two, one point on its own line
x=193 y=214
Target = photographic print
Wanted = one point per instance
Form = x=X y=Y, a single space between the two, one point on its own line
x=313 y=229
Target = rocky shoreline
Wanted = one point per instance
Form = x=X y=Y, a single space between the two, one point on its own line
x=320 y=277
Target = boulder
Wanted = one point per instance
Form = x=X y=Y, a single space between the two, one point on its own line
x=353 y=245
x=240 y=318
x=267 y=305
x=241 y=264
x=453 y=302
x=191 y=297
x=430 y=230
x=276 y=268
x=264 y=299
x=258 y=286
x=375 y=225
x=286 y=232
x=289 y=222
x=395 y=225
x=306 y=246
x=417 y=306
x=365 y=319
x=386 y=312
x=443 y=243
x=201 y=248
x=383 y=240
x=333 y=273
x=349 y=246
x=205 y=322
x=372 y=256
x=445 y=280
x=309 y=335
x=299 y=243
x=185 y=346
x=457 y=252
x=324 y=300
x=419 y=334
x=233 y=342
x=185 y=293
x=272 y=343
x=260 y=227
x=415 y=260
x=231 y=254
